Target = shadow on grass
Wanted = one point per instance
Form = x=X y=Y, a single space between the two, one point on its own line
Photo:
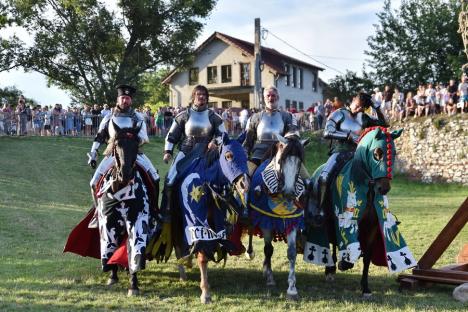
x=228 y=285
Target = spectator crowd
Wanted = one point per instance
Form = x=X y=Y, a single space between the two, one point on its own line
x=428 y=99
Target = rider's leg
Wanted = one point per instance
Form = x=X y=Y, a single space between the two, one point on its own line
x=168 y=185
x=144 y=162
x=316 y=209
x=104 y=166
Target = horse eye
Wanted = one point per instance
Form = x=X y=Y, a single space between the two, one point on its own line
x=229 y=156
x=378 y=154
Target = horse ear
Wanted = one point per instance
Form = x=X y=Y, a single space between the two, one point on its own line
x=225 y=138
x=281 y=139
x=396 y=133
x=379 y=135
x=305 y=142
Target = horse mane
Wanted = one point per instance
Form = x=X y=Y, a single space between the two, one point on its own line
x=389 y=145
x=294 y=146
x=367 y=130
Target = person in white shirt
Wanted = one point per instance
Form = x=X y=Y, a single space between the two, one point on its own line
x=243 y=117
x=105 y=111
x=463 y=90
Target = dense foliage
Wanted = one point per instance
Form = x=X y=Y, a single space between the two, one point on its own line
x=418 y=42
x=88 y=46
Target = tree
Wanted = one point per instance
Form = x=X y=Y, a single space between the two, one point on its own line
x=345 y=87
x=10 y=95
x=417 y=43
x=156 y=94
x=85 y=47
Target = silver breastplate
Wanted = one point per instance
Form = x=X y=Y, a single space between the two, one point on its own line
x=350 y=123
x=198 y=124
x=269 y=126
x=121 y=122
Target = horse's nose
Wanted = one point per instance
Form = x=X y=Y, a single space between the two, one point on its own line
x=384 y=188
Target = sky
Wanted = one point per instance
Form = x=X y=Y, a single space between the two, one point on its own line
x=333 y=33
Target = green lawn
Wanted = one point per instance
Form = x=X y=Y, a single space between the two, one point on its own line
x=44 y=192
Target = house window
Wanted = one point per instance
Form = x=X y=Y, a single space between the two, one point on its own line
x=314 y=81
x=193 y=76
x=213 y=104
x=245 y=74
x=294 y=77
x=226 y=104
x=212 y=74
x=226 y=73
x=300 y=79
x=287 y=105
x=301 y=105
x=245 y=104
x=294 y=104
x=288 y=75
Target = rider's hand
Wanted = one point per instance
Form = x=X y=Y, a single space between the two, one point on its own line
x=352 y=137
x=92 y=159
x=212 y=146
x=167 y=157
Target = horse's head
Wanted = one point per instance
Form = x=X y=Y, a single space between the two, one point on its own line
x=288 y=159
x=233 y=161
x=376 y=154
x=124 y=144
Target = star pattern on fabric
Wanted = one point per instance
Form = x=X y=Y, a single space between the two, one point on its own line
x=196 y=193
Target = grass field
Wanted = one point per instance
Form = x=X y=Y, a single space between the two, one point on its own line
x=44 y=192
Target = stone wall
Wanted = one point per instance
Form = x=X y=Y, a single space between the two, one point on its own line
x=434 y=149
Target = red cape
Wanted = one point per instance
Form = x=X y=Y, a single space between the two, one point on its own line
x=85 y=242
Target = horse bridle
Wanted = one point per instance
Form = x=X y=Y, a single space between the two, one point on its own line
x=125 y=135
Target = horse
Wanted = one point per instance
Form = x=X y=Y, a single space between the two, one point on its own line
x=357 y=218
x=212 y=189
x=275 y=209
x=126 y=204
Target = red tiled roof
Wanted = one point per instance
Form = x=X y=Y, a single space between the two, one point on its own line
x=270 y=57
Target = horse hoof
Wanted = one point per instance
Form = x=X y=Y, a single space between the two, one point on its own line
x=250 y=256
x=366 y=296
x=112 y=281
x=345 y=265
x=133 y=292
x=205 y=299
x=292 y=297
x=329 y=278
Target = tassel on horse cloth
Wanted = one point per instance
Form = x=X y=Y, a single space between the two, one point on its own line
x=160 y=246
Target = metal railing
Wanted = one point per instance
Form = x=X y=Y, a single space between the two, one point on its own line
x=67 y=124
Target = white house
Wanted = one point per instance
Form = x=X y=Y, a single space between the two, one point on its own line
x=225 y=66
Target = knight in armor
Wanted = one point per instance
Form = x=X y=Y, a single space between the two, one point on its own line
x=262 y=128
x=198 y=124
x=124 y=116
x=111 y=215
x=344 y=127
